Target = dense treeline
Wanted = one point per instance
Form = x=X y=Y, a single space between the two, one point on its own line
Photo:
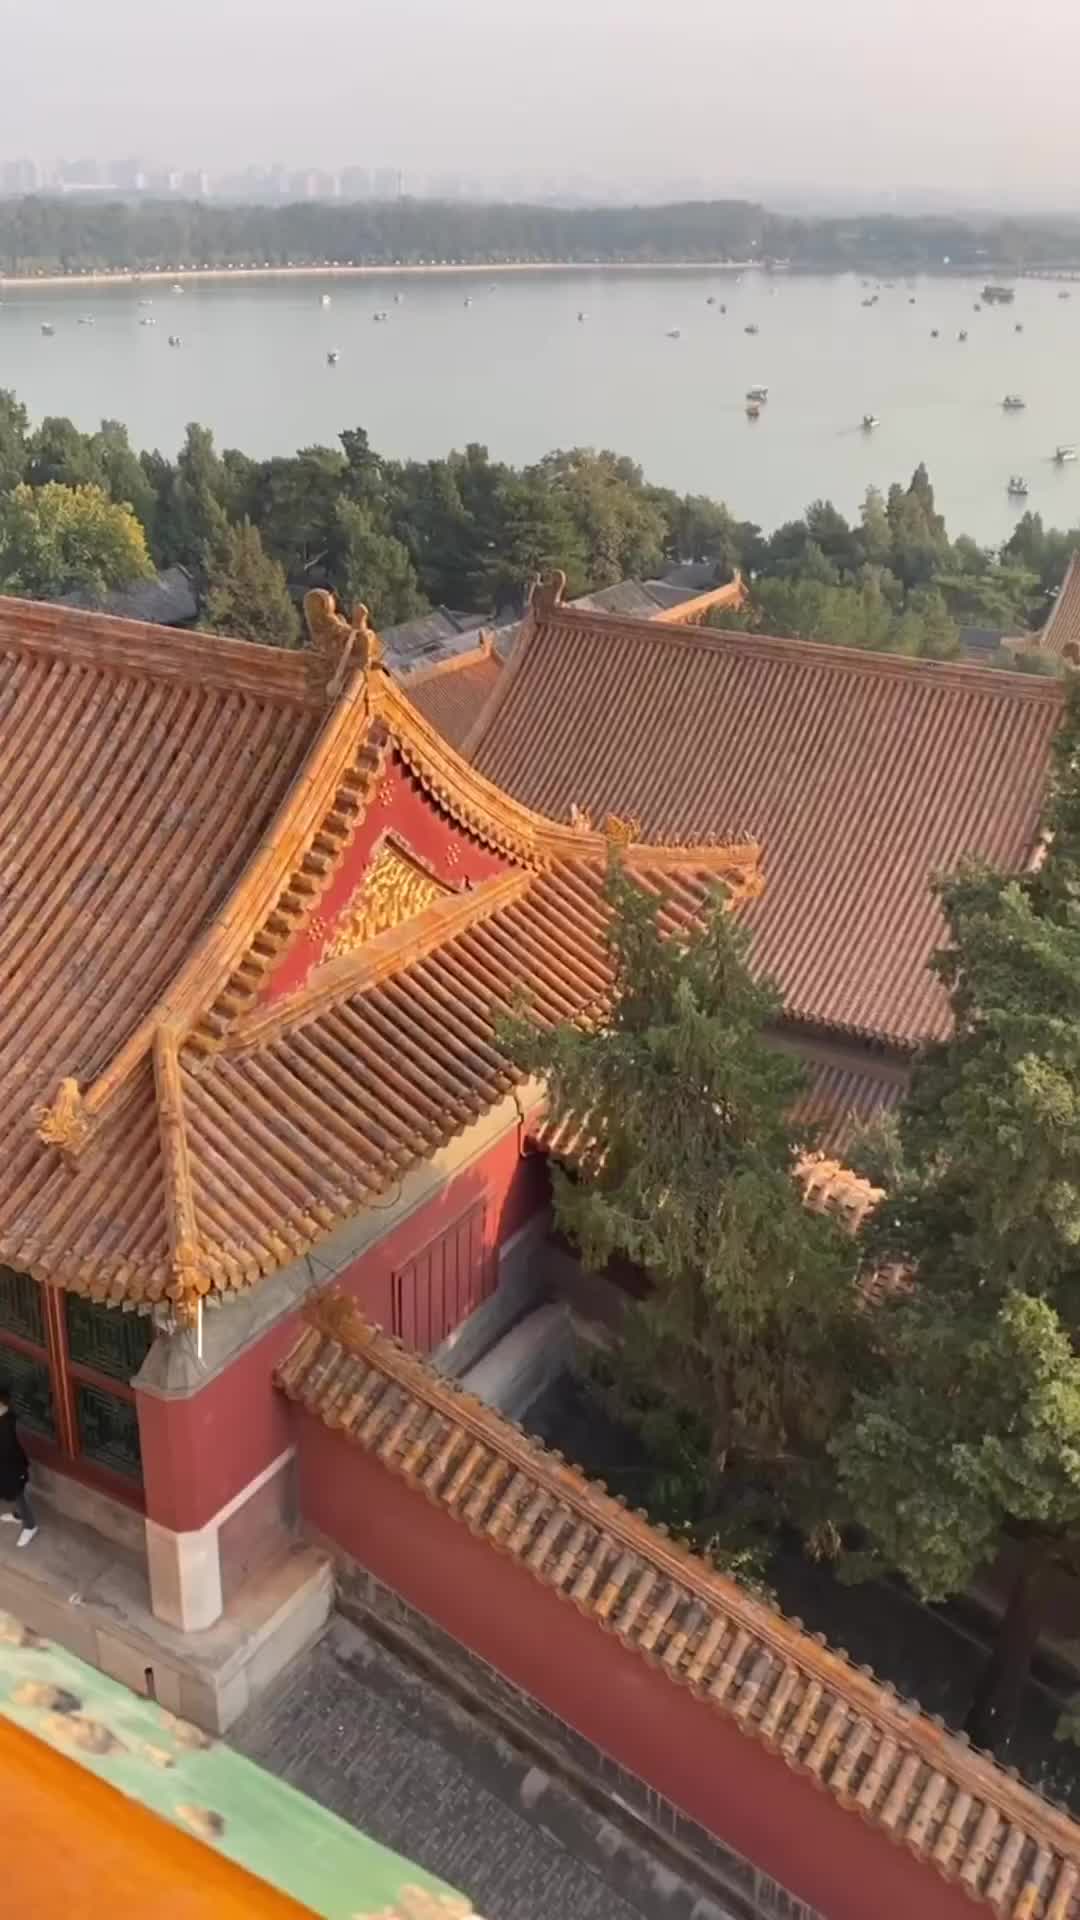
x=41 y=235
x=85 y=513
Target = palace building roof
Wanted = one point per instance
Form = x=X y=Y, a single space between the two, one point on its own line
x=1061 y=634
x=861 y=776
x=878 y=1757
x=451 y=693
x=258 y=918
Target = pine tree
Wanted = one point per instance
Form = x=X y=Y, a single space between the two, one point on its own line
x=971 y=1443
x=685 y=1164
x=247 y=595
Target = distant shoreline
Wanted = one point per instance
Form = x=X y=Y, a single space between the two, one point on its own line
x=158 y=276
x=168 y=276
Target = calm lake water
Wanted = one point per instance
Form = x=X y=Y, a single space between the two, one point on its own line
x=517 y=370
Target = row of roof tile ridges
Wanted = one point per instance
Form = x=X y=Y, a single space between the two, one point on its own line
x=1061 y=634
x=875 y=1755
x=143 y=650
x=860 y=775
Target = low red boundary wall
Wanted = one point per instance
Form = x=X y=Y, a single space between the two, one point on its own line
x=694 y=1755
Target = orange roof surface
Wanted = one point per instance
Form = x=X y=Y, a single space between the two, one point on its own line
x=876 y=1755
x=1061 y=634
x=173 y=807
x=860 y=775
x=451 y=693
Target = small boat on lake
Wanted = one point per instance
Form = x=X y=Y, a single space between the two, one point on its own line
x=998 y=296
x=935 y=333
x=47 y=329
x=757 y=393
x=961 y=335
x=147 y=321
x=1064 y=454
x=1018 y=488
x=175 y=340
x=1019 y=327
x=468 y=303
x=325 y=301
x=674 y=333
x=86 y=320
x=711 y=301
x=177 y=288
x=582 y=317
x=381 y=317
x=752 y=328
x=333 y=357
x=869 y=422
x=1014 y=403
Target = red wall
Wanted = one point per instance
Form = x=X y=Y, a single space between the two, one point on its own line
x=402 y=808
x=692 y=1754
x=200 y=1451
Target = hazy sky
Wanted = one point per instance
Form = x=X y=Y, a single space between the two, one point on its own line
x=951 y=93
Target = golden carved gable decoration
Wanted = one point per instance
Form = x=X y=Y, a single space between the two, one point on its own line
x=395 y=888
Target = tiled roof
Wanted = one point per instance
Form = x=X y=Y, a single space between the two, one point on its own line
x=168 y=600
x=860 y=774
x=139 y=772
x=876 y=1755
x=1061 y=634
x=430 y=637
x=450 y=693
x=845 y=1089
x=190 y=800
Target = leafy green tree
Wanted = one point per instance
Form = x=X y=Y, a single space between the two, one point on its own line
x=624 y=531
x=537 y=533
x=124 y=477
x=972 y=1441
x=247 y=595
x=190 y=514
x=373 y=567
x=686 y=1166
x=14 y=442
x=58 y=540
x=59 y=452
x=295 y=508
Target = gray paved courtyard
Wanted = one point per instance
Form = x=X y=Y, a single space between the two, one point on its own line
x=358 y=1730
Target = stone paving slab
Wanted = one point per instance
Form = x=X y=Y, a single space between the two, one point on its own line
x=356 y=1728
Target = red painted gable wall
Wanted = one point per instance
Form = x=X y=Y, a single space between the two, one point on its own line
x=399 y=807
x=200 y=1451
x=693 y=1755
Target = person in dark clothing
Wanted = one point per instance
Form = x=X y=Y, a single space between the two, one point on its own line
x=14 y=1473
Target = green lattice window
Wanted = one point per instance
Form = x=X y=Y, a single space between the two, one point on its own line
x=21 y=1306
x=31 y=1390
x=108 y=1430
x=105 y=1339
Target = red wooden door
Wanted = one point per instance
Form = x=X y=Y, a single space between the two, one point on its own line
x=442 y=1284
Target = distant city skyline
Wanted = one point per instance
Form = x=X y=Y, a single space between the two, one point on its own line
x=602 y=98
x=273 y=181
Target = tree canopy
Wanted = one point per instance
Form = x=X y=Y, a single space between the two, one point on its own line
x=57 y=540
x=685 y=1164
x=970 y=1443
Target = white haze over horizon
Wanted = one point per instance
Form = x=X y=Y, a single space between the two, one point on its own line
x=972 y=97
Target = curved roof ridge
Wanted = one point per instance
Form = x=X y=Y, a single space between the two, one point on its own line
x=863 y=660
x=491 y=813
x=136 y=647
x=876 y=1755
